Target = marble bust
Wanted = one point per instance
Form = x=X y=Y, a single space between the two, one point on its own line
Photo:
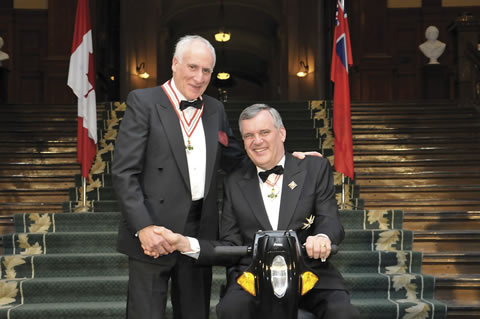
x=3 y=55
x=432 y=48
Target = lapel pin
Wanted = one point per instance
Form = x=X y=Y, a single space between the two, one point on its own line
x=309 y=222
x=292 y=185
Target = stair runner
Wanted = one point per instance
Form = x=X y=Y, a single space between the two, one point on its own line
x=64 y=265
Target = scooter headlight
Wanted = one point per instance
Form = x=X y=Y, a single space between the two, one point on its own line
x=247 y=282
x=279 y=276
x=309 y=279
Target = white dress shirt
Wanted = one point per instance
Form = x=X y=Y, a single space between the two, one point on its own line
x=272 y=186
x=196 y=158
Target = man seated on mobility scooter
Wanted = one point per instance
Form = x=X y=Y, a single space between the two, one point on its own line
x=275 y=191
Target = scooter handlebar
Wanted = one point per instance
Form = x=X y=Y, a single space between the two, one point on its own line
x=238 y=251
x=234 y=251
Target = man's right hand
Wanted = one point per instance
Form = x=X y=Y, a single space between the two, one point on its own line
x=154 y=244
x=177 y=241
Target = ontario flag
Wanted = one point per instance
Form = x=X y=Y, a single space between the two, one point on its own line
x=342 y=122
x=81 y=78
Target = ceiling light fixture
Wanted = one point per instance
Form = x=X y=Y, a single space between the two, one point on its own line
x=222 y=35
x=223 y=75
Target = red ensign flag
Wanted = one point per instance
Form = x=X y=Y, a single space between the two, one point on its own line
x=81 y=78
x=342 y=122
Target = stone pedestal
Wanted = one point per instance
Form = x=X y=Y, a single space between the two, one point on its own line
x=435 y=81
x=4 y=85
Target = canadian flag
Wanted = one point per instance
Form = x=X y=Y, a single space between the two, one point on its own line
x=81 y=78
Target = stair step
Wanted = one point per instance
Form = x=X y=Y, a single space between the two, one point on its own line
x=69 y=289
x=77 y=310
x=450 y=264
x=420 y=192
x=446 y=220
x=422 y=205
x=413 y=146
x=458 y=310
x=414 y=117
x=413 y=159
x=24 y=149
x=372 y=136
x=17 y=207
x=39 y=126
x=447 y=241
x=463 y=289
x=39 y=161
x=412 y=129
x=38 y=183
x=366 y=170
x=437 y=180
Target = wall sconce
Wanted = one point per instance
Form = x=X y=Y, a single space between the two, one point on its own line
x=141 y=71
x=303 y=70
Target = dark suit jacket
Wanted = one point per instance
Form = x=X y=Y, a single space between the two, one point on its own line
x=150 y=173
x=244 y=213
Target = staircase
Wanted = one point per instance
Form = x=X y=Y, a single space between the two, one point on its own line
x=37 y=158
x=424 y=158
x=59 y=265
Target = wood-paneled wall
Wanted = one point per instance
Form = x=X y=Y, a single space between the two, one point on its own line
x=30 y=50
x=387 y=62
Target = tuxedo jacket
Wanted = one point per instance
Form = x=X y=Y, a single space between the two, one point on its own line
x=307 y=191
x=150 y=172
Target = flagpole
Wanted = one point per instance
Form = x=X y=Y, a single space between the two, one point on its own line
x=84 y=207
x=343 y=191
x=84 y=190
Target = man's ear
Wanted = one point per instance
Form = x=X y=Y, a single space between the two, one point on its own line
x=283 y=133
x=174 y=64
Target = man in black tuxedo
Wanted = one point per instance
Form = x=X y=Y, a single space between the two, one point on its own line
x=167 y=155
x=276 y=191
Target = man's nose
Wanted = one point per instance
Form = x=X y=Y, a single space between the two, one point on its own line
x=258 y=140
x=199 y=76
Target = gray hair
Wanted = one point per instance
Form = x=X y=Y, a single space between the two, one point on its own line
x=186 y=41
x=252 y=111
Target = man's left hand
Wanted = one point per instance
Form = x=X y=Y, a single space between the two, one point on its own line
x=301 y=155
x=318 y=247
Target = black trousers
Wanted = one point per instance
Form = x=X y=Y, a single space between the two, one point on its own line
x=190 y=284
x=323 y=303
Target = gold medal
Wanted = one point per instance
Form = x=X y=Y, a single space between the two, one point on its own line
x=189 y=146
x=273 y=194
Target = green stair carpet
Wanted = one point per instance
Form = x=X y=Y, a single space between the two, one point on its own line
x=75 y=264
x=64 y=265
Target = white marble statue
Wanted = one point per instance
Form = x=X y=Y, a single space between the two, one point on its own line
x=432 y=48
x=3 y=55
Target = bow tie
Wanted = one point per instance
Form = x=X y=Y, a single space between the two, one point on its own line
x=196 y=103
x=276 y=170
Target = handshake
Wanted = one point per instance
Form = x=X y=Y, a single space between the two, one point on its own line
x=158 y=241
